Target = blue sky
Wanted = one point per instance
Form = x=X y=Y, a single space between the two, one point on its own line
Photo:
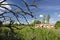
x=51 y=7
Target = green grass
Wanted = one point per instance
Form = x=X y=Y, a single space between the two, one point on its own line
x=28 y=33
x=39 y=34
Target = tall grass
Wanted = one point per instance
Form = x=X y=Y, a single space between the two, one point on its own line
x=38 y=34
x=28 y=34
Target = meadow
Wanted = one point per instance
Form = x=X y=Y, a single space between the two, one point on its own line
x=29 y=33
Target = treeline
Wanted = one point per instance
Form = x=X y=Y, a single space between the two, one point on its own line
x=56 y=25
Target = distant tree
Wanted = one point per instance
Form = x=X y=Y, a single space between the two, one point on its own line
x=48 y=18
x=57 y=25
x=1 y=23
x=35 y=22
x=43 y=18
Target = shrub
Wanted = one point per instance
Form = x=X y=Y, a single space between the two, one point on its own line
x=57 y=25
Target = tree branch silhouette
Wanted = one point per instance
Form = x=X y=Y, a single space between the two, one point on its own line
x=28 y=12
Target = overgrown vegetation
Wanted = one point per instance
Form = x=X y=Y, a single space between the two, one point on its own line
x=35 y=22
x=28 y=34
x=24 y=32
x=57 y=25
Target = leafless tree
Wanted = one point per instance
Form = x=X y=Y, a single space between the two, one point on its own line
x=28 y=12
x=17 y=13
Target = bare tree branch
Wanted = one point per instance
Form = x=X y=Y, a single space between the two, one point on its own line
x=11 y=12
x=3 y=1
x=27 y=5
x=4 y=13
x=25 y=18
x=20 y=9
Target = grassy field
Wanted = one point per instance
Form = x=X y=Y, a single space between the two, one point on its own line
x=28 y=33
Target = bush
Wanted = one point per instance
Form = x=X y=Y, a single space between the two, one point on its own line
x=35 y=22
x=6 y=34
x=57 y=25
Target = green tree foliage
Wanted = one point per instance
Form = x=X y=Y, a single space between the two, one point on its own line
x=6 y=34
x=1 y=23
x=57 y=25
x=48 y=18
x=43 y=18
x=35 y=22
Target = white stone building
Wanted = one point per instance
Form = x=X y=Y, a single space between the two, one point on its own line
x=44 y=26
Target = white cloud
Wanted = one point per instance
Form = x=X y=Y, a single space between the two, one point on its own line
x=41 y=16
x=30 y=21
x=16 y=22
x=59 y=15
x=1 y=0
x=7 y=6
